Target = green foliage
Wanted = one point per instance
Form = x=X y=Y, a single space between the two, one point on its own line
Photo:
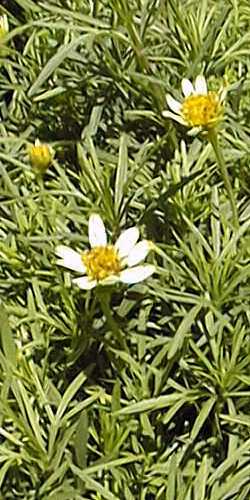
x=160 y=410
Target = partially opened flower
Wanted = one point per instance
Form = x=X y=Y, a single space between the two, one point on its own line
x=106 y=264
x=200 y=108
x=40 y=156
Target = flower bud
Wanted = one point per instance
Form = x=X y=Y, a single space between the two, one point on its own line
x=40 y=156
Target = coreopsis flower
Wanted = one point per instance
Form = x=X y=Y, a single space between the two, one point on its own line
x=200 y=109
x=107 y=264
x=40 y=156
x=4 y=26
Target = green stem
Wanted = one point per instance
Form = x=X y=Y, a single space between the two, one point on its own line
x=104 y=298
x=213 y=138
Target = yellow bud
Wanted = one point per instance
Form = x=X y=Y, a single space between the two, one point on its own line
x=40 y=156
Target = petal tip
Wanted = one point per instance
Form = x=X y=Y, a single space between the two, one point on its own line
x=97 y=231
x=59 y=250
x=201 y=85
x=187 y=87
x=85 y=283
x=173 y=104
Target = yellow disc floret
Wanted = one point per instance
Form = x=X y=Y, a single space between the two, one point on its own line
x=202 y=110
x=101 y=262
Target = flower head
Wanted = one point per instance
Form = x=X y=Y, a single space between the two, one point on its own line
x=40 y=156
x=106 y=264
x=200 y=109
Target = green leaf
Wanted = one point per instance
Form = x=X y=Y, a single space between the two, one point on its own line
x=55 y=61
x=202 y=417
x=69 y=394
x=121 y=172
x=183 y=330
x=7 y=339
x=153 y=404
x=116 y=396
x=231 y=460
x=28 y=5
x=94 y=485
x=32 y=416
x=200 y=482
x=81 y=440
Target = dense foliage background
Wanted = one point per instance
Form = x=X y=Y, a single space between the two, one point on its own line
x=167 y=417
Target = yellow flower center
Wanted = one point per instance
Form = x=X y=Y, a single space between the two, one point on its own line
x=202 y=110
x=101 y=262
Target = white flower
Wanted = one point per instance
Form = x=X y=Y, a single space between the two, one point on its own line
x=200 y=108
x=106 y=264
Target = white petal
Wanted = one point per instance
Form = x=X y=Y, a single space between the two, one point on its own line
x=200 y=85
x=127 y=241
x=177 y=118
x=110 y=280
x=174 y=105
x=187 y=87
x=70 y=259
x=97 y=232
x=194 y=131
x=138 y=253
x=85 y=283
x=136 y=274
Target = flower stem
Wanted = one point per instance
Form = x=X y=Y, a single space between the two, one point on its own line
x=104 y=298
x=213 y=138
